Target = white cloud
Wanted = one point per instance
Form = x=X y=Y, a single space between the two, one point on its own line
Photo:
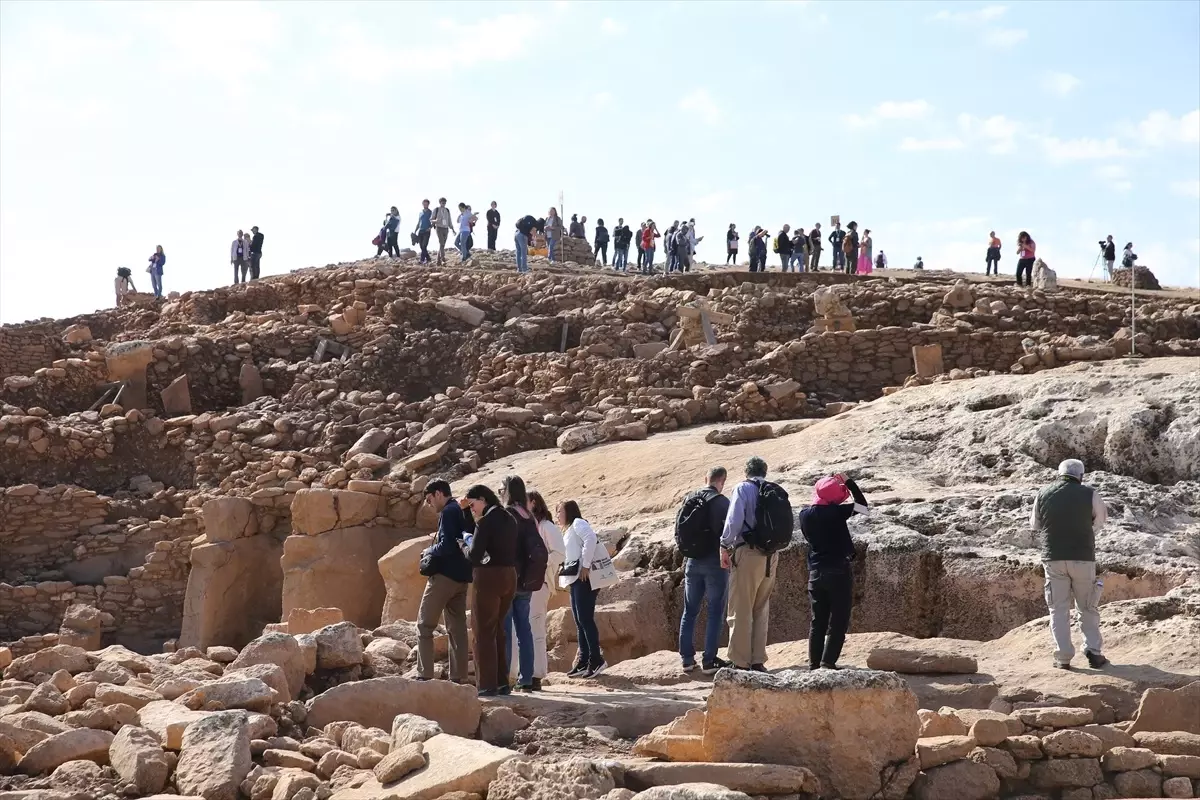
x=451 y=46
x=1063 y=150
x=888 y=109
x=611 y=27
x=701 y=103
x=998 y=132
x=985 y=14
x=1187 y=188
x=1060 y=83
x=1160 y=128
x=1005 y=37
x=1116 y=176
x=230 y=41
x=912 y=145
x=602 y=100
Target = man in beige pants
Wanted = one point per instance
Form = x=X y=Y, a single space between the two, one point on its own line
x=751 y=577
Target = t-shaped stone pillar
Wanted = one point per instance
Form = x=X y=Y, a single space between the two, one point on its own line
x=127 y=362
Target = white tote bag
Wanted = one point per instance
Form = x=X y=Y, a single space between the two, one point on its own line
x=602 y=574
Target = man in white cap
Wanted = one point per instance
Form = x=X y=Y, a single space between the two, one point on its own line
x=1067 y=515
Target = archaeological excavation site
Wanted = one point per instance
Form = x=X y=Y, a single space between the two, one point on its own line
x=212 y=519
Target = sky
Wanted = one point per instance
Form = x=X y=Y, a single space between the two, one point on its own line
x=125 y=126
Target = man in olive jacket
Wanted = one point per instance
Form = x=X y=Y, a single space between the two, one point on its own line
x=1067 y=515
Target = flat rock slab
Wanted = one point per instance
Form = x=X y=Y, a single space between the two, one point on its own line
x=921 y=661
x=375 y=702
x=753 y=779
x=455 y=764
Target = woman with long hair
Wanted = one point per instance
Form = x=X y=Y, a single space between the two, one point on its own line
x=866 y=255
x=157 y=260
x=493 y=553
x=731 y=245
x=1026 y=255
x=581 y=548
x=517 y=620
x=554 y=231
x=539 y=604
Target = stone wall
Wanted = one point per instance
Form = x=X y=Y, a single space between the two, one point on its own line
x=24 y=352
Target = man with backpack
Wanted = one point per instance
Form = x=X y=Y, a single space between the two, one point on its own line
x=758 y=525
x=532 y=557
x=698 y=527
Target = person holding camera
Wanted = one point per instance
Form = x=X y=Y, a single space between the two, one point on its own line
x=1108 y=249
x=1026 y=255
x=993 y=254
x=448 y=571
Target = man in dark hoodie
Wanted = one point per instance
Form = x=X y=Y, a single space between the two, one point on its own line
x=783 y=246
x=836 y=237
x=256 y=244
x=449 y=574
x=493 y=222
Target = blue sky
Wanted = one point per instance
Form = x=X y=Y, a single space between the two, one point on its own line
x=124 y=126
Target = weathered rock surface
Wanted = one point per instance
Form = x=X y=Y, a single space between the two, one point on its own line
x=376 y=702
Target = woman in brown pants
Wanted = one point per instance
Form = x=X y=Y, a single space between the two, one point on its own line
x=493 y=552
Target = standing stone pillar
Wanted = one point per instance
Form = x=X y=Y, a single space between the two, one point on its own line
x=127 y=362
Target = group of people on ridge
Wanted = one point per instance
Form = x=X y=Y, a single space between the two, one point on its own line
x=508 y=555
x=801 y=252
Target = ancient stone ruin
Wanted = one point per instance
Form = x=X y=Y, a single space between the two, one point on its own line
x=211 y=523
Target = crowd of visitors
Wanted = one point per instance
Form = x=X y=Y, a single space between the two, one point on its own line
x=508 y=556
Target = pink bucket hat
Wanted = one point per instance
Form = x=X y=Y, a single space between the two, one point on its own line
x=830 y=491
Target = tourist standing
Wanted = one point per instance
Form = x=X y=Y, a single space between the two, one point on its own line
x=881 y=260
x=424 y=225
x=601 y=238
x=493 y=552
x=747 y=551
x=1067 y=516
x=758 y=249
x=649 y=234
x=1109 y=250
x=493 y=223
x=256 y=246
x=866 y=254
x=1026 y=254
x=581 y=551
x=239 y=256
x=123 y=284
x=158 y=260
x=731 y=245
x=783 y=246
x=531 y=555
x=538 y=608
x=814 y=248
x=850 y=248
x=993 y=255
x=576 y=230
x=830 y=559
x=837 y=238
x=389 y=233
x=641 y=251
x=441 y=224
x=1128 y=257
x=669 y=246
x=684 y=248
x=448 y=574
x=466 y=220
x=698 y=527
x=799 y=258
x=554 y=231
x=521 y=240
x=621 y=238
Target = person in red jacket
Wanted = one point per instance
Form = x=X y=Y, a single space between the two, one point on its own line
x=649 y=234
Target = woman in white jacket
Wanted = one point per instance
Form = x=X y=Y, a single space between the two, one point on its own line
x=581 y=547
x=556 y=552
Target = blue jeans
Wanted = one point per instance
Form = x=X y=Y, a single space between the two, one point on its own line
x=156 y=281
x=648 y=260
x=462 y=245
x=839 y=258
x=703 y=580
x=518 y=614
x=796 y=262
x=522 y=246
x=621 y=258
x=583 y=608
x=550 y=242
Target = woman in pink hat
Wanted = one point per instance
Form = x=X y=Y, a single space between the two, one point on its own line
x=830 y=577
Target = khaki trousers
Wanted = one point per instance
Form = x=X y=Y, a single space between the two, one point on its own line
x=749 y=605
x=1067 y=581
x=443 y=596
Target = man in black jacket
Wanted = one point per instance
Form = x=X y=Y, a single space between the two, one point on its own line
x=621 y=238
x=835 y=239
x=256 y=243
x=1109 y=248
x=705 y=580
x=783 y=246
x=493 y=221
x=446 y=589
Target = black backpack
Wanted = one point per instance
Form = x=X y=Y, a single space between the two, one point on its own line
x=694 y=535
x=773 y=520
x=532 y=555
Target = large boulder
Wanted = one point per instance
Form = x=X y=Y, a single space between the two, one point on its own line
x=753 y=779
x=403 y=582
x=571 y=779
x=278 y=649
x=853 y=729
x=53 y=751
x=338 y=569
x=375 y=702
x=168 y=721
x=228 y=692
x=83 y=626
x=139 y=759
x=457 y=766
x=215 y=756
x=918 y=657
x=961 y=780
x=338 y=646
x=49 y=660
x=1169 y=710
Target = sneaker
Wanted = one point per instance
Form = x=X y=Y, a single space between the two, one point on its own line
x=711 y=667
x=536 y=686
x=578 y=671
x=758 y=667
x=524 y=687
x=689 y=666
x=487 y=692
x=829 y=666
x=597 y=670
x=503 y=690
x=1060 y=665
x=1095 y=660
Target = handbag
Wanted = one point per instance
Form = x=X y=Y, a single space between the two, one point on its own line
x=429 y=563
x=378 y=240
x=603 y=573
